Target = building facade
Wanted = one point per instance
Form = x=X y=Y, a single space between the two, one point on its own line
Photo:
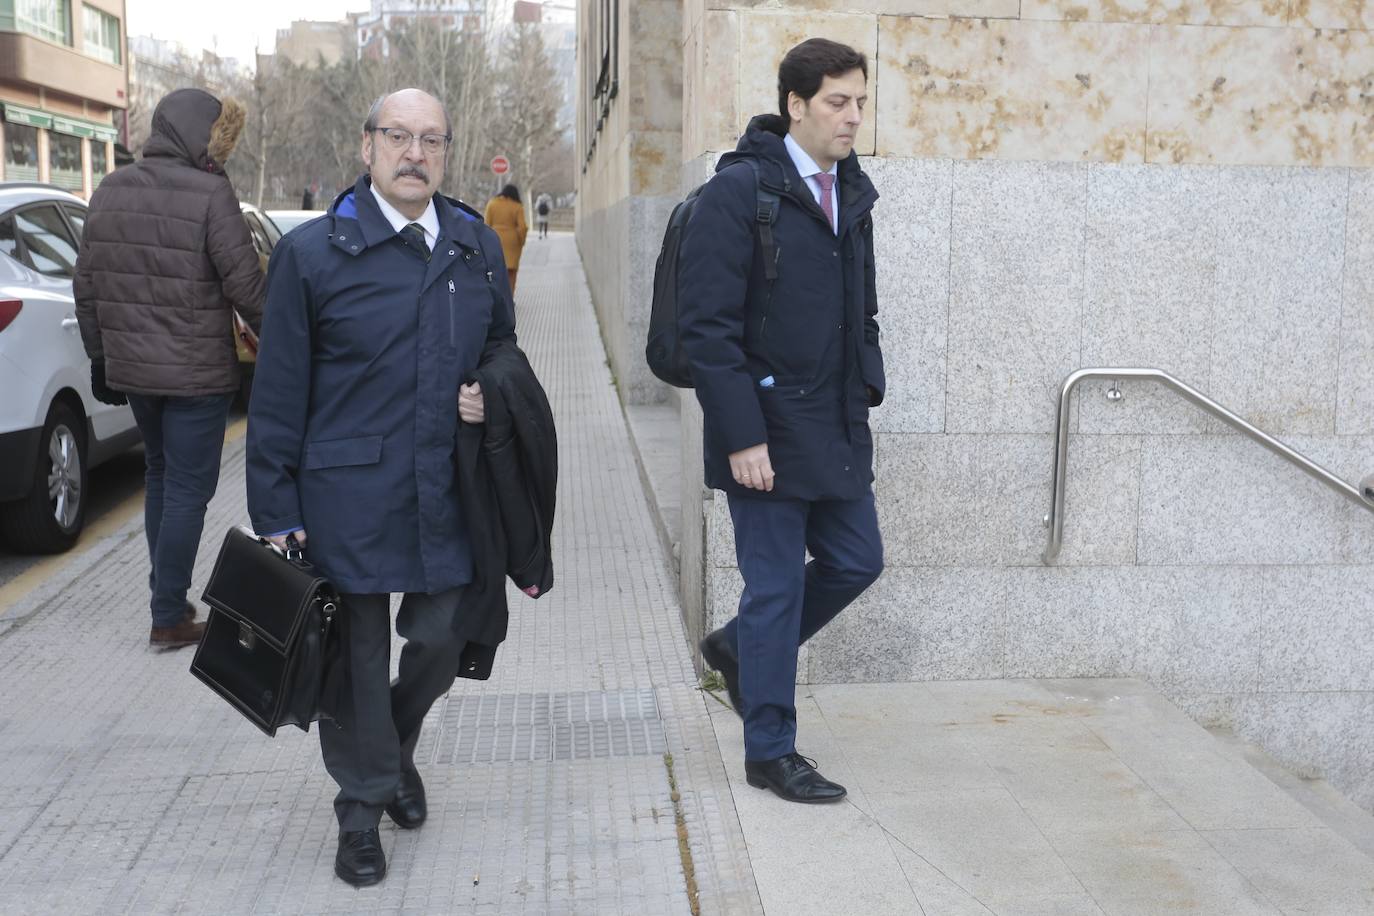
x=63 y=90
x=1065 y=184
x=306 y=42
x=371 y=28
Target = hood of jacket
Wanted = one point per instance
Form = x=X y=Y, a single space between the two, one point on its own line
x=193 y=126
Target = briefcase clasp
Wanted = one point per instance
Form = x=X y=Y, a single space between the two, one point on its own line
x=247 y=638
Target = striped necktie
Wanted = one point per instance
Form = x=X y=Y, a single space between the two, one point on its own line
x=414 y=234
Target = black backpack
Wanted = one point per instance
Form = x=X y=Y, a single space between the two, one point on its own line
x=543 y=208
x=664 y=349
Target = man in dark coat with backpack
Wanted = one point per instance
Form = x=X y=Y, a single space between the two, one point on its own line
x=777 y=321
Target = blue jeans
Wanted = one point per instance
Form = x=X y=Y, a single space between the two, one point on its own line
x=787 y=600
x=182 y=440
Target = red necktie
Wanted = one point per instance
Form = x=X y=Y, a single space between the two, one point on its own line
x=826 y=181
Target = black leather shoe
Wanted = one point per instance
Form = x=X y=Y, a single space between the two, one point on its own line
x=360 y=861
x=408 y=808
x=794 y=778
x=719 y=655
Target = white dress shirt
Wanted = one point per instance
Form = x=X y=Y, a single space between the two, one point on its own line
x=807 y=168
x=429 y=220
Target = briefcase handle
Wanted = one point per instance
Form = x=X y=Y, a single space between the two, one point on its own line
x=293 y=551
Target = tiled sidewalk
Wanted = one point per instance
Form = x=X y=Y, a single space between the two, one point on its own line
x=127 y=787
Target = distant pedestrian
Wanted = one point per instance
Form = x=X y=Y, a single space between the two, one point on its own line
x=308 y=199
x=506 y=214
x=165 y=260
x=378 y=315
x=542 y=206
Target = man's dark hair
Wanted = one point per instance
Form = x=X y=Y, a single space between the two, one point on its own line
x=808 y=64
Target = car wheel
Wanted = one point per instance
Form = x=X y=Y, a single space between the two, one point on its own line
x=245 y=386
x=50 y=518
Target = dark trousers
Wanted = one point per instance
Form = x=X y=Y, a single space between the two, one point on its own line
x=379 y=722
x=183 y=439
x=787 y=600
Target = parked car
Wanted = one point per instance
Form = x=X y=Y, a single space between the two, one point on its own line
x=52 y=430
x=287 y=220
x=265 y=235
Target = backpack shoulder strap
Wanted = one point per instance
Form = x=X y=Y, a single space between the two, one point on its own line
x=765 y=215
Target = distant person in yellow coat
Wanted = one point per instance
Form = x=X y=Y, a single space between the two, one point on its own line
x=506 y=214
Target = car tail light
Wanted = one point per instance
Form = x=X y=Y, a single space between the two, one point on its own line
x=9 y=308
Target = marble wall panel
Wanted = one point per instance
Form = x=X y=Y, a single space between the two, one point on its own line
x=986 y=88
x=1212 y=500
x=1355 y=398
x=1333 y=14
x=711 y=105
x=1150 y=265
x=917 y=625
x=911 y=233
x=1269 y=13
x=1313 y=617
x=1082 y=623
x=1275 y=334
x=766 y=35
x=988 y=8
x=980 y=500
x=1193 y=628
x=1260 y=96
x=1016 y=289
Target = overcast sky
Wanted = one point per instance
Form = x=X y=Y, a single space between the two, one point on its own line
x=233 y=30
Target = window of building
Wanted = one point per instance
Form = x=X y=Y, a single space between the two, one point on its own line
x=48 y=242
x=64 y=161
x=101 y=34
x=100 y=161
x=50 y=19
x=21 y=152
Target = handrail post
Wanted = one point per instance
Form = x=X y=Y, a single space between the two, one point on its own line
x=1363 y=495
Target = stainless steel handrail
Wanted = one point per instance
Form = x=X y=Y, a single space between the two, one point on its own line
x=1363 y=495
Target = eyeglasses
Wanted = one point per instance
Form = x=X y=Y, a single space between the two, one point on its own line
x=398 y=138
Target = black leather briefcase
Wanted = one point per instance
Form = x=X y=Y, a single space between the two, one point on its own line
x=270 y=648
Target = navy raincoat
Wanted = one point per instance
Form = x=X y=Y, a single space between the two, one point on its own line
x=813 y=330
x=354 y=415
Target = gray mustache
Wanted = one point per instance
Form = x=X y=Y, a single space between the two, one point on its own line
x=412 y=170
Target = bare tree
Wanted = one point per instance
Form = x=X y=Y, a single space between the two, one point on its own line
x=527 y=101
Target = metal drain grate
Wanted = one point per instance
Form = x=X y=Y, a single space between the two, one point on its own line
x=557 y=726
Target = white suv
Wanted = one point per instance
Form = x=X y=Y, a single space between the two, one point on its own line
x=52 y=430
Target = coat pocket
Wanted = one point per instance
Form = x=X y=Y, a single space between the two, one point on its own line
x=338 y=453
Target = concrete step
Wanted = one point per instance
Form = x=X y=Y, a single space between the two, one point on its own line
x=1037 y=797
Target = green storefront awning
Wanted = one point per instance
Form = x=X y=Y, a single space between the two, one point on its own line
x=72 y=128
x=18 y=114
x=79 y=128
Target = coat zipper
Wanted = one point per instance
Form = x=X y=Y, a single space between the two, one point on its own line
x=452 y=320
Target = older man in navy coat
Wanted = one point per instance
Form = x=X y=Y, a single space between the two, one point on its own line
x=376 y=315
x=786 y=370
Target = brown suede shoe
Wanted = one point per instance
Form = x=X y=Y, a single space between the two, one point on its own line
x=182 y=634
